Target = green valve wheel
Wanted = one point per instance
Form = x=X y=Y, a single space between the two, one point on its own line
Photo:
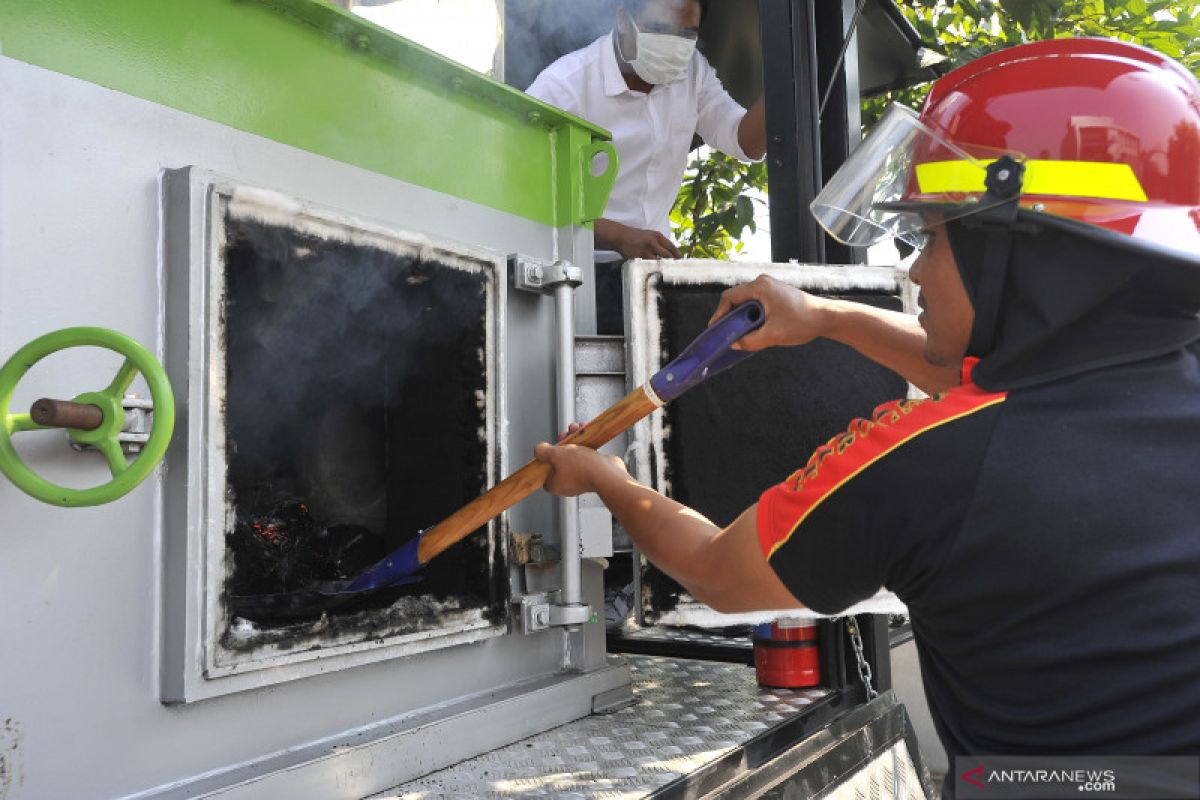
x=104 y=437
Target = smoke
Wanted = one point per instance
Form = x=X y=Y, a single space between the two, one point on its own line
x=349 y=365
x=537 y=32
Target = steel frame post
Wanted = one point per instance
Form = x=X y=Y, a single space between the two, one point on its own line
x=792 y=95
x=840 y=121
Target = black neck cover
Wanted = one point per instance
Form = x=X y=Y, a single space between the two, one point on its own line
x=1054 y=297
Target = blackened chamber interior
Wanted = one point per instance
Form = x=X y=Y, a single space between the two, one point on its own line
x=354 y=409
x=744 y=430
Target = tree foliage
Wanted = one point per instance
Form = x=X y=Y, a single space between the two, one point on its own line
x=711 y=212
x=967 y=29
x=716 y=203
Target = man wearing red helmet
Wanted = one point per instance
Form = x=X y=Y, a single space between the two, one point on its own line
x=1037 y=514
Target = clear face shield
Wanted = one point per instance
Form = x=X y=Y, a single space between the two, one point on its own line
x=900 y=173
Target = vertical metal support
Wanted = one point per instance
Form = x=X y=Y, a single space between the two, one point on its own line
x=639 y=611
x=835 y=670
x=560 y=279
x=841 y=121
x=801 y=44
x=499 y=64
x=877 y=647
x=568 y=507
x=792 y=95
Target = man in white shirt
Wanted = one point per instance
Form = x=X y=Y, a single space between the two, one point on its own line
x=646 y=83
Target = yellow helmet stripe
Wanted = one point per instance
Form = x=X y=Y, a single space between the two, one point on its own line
x=1097 y=179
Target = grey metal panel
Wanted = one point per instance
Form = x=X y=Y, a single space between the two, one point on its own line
x=599 y=355
x=359 y=762
x=80 y=172
x=599 y=383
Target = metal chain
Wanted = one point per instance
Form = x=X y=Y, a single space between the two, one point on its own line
x=864 y=669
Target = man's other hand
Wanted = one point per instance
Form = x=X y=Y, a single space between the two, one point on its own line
x=633 y=242
x=793 y=316
x=574 y=469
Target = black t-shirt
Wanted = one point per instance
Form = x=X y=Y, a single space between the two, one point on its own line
x=1046 y=542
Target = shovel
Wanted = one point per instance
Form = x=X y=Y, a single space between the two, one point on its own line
x=708 y=354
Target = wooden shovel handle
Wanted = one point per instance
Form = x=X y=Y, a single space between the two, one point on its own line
x=607 y=425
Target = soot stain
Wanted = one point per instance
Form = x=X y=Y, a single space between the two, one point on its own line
x=740 y=432
x=11 y=773
x=354 y=379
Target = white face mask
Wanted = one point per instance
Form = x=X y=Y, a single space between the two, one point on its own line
x=660 y=56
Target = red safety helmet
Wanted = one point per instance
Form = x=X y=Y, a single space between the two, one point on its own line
x=1097 y=130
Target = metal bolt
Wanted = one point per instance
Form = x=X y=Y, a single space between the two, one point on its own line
x=1003 y=174
x=534 y=117
x=362 y=42
x=1039 y=206
x=456 y=83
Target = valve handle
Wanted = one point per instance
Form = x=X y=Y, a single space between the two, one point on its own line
x=64 y=414
x=104 y=436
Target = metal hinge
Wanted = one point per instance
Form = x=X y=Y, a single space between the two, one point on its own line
x=531 y=613
x=139 y=421
x=540 y=276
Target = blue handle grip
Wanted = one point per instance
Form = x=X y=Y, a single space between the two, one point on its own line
x=709 y=352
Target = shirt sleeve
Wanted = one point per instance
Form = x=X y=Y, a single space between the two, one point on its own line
x=878 y=504
x=719 y=114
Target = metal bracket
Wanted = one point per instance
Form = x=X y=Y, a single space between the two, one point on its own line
x=139 y=420
x=531 y=613
x=537 y=612
x=541 y=276
x=571 y=615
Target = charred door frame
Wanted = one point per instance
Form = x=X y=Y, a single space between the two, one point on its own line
x=192 y=666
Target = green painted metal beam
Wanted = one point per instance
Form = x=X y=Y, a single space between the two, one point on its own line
x=311 y=75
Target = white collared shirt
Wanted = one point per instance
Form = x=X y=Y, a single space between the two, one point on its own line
x=651 y=132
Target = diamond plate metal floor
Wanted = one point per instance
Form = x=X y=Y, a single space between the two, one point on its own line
x=690 y=636
x=890 y=776
x=688 y=714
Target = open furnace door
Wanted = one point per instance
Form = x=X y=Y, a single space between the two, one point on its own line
x=719 y=447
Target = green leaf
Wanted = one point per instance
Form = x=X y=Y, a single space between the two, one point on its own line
x=745 y=211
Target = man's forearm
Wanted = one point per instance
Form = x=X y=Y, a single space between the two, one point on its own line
x=890 y=338
x=752 y=131
x=606 y=234
x=722 y=568
x=671 y=535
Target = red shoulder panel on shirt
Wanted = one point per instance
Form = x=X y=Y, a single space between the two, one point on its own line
x=784 y=507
